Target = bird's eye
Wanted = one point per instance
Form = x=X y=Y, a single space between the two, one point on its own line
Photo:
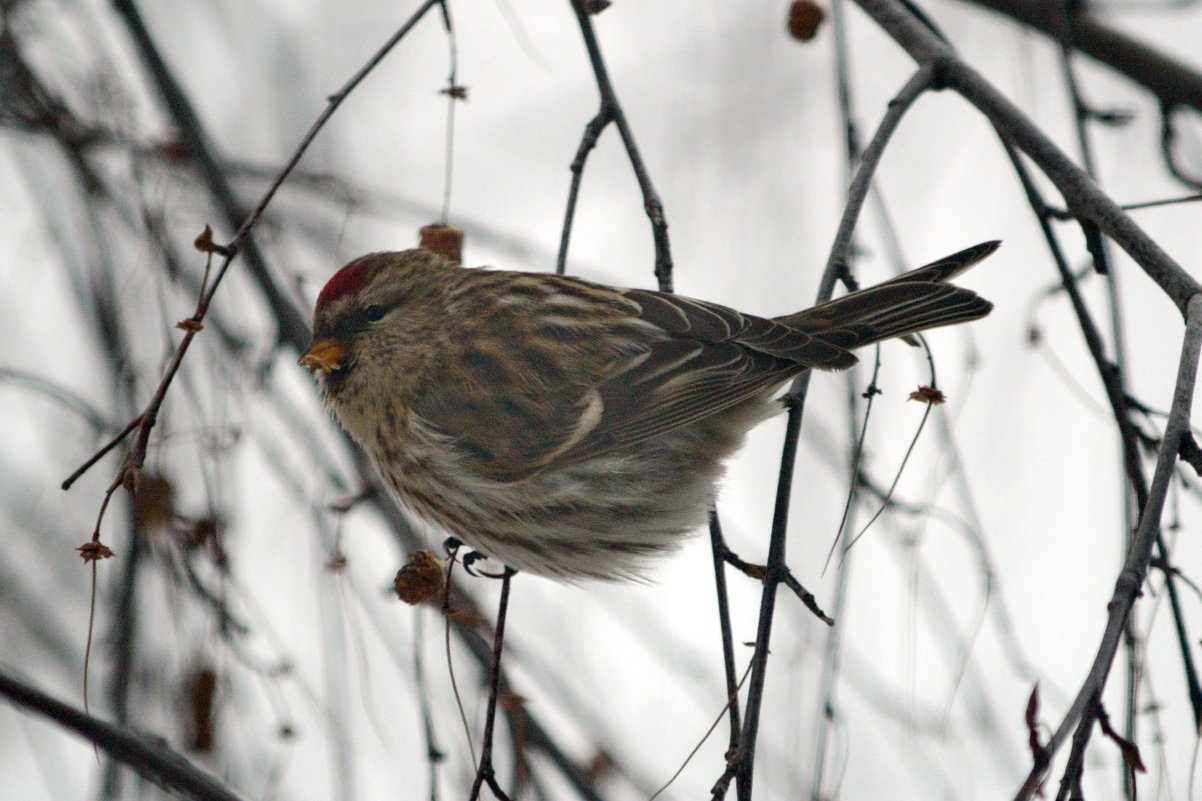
x=375 y=314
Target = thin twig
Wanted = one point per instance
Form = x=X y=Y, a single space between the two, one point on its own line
x=434 y=754
x=100 y=454
x=731 y=701
x=740 y=766
x=292 y=334
x=857 y=460
x=592 y=132
x=611 y=108
x=1153 y=204
x=719 y=549
x=449 y=615
x=920 y=82
x=806 y=597
x=454 y=93
x=896 y=477
x=485 y=773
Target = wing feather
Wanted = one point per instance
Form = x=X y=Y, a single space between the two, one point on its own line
x=554 y=370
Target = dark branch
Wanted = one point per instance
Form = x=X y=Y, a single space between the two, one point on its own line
x=1170 y=80
x=149 y=756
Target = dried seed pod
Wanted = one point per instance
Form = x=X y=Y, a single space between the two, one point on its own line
x=421 y=579
x=805 y=16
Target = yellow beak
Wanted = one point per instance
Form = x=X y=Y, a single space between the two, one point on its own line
x=325 y=355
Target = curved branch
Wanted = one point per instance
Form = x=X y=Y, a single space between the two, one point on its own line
x=836 y=263
x=1083 y=196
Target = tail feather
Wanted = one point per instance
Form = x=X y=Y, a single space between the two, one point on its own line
x=911 y=302
x=947 y=268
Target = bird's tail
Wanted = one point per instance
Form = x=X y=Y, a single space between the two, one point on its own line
x=907 y=304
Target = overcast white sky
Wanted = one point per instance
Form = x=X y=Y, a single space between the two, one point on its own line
x=739 y=128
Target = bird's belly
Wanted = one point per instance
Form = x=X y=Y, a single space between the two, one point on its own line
x=602 y=518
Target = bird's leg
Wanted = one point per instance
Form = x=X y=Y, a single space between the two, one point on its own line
x=452 y=545
x=469 y=561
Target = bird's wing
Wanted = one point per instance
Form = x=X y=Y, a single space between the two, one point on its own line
x=544 y=378
x=711 y=358
x=552 y=371
x=518 y=380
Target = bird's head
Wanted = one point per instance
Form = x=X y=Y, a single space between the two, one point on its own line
x=374 y=309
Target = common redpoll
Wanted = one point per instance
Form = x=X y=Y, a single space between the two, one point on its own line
x=571 y=429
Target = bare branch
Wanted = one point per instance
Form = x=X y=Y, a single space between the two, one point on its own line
x=1083 y=196
x=150 y=757
x=1170 y=80
x=1134 y=572
x=294 y=334
x=611 y=109
x=741 y=765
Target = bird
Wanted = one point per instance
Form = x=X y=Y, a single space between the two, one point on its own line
x=570 y=429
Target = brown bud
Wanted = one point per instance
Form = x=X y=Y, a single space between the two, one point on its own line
x=445 y=240
x=94 y=551
x=421 y=579
x=805 y=16
x=205 y=244
x=454 y=91
x=928 y=395
x=193 y=325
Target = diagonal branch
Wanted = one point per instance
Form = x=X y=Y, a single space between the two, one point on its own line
x=292 y=334
x=150 y=757
x=1083 y=196
x=1131 y=578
